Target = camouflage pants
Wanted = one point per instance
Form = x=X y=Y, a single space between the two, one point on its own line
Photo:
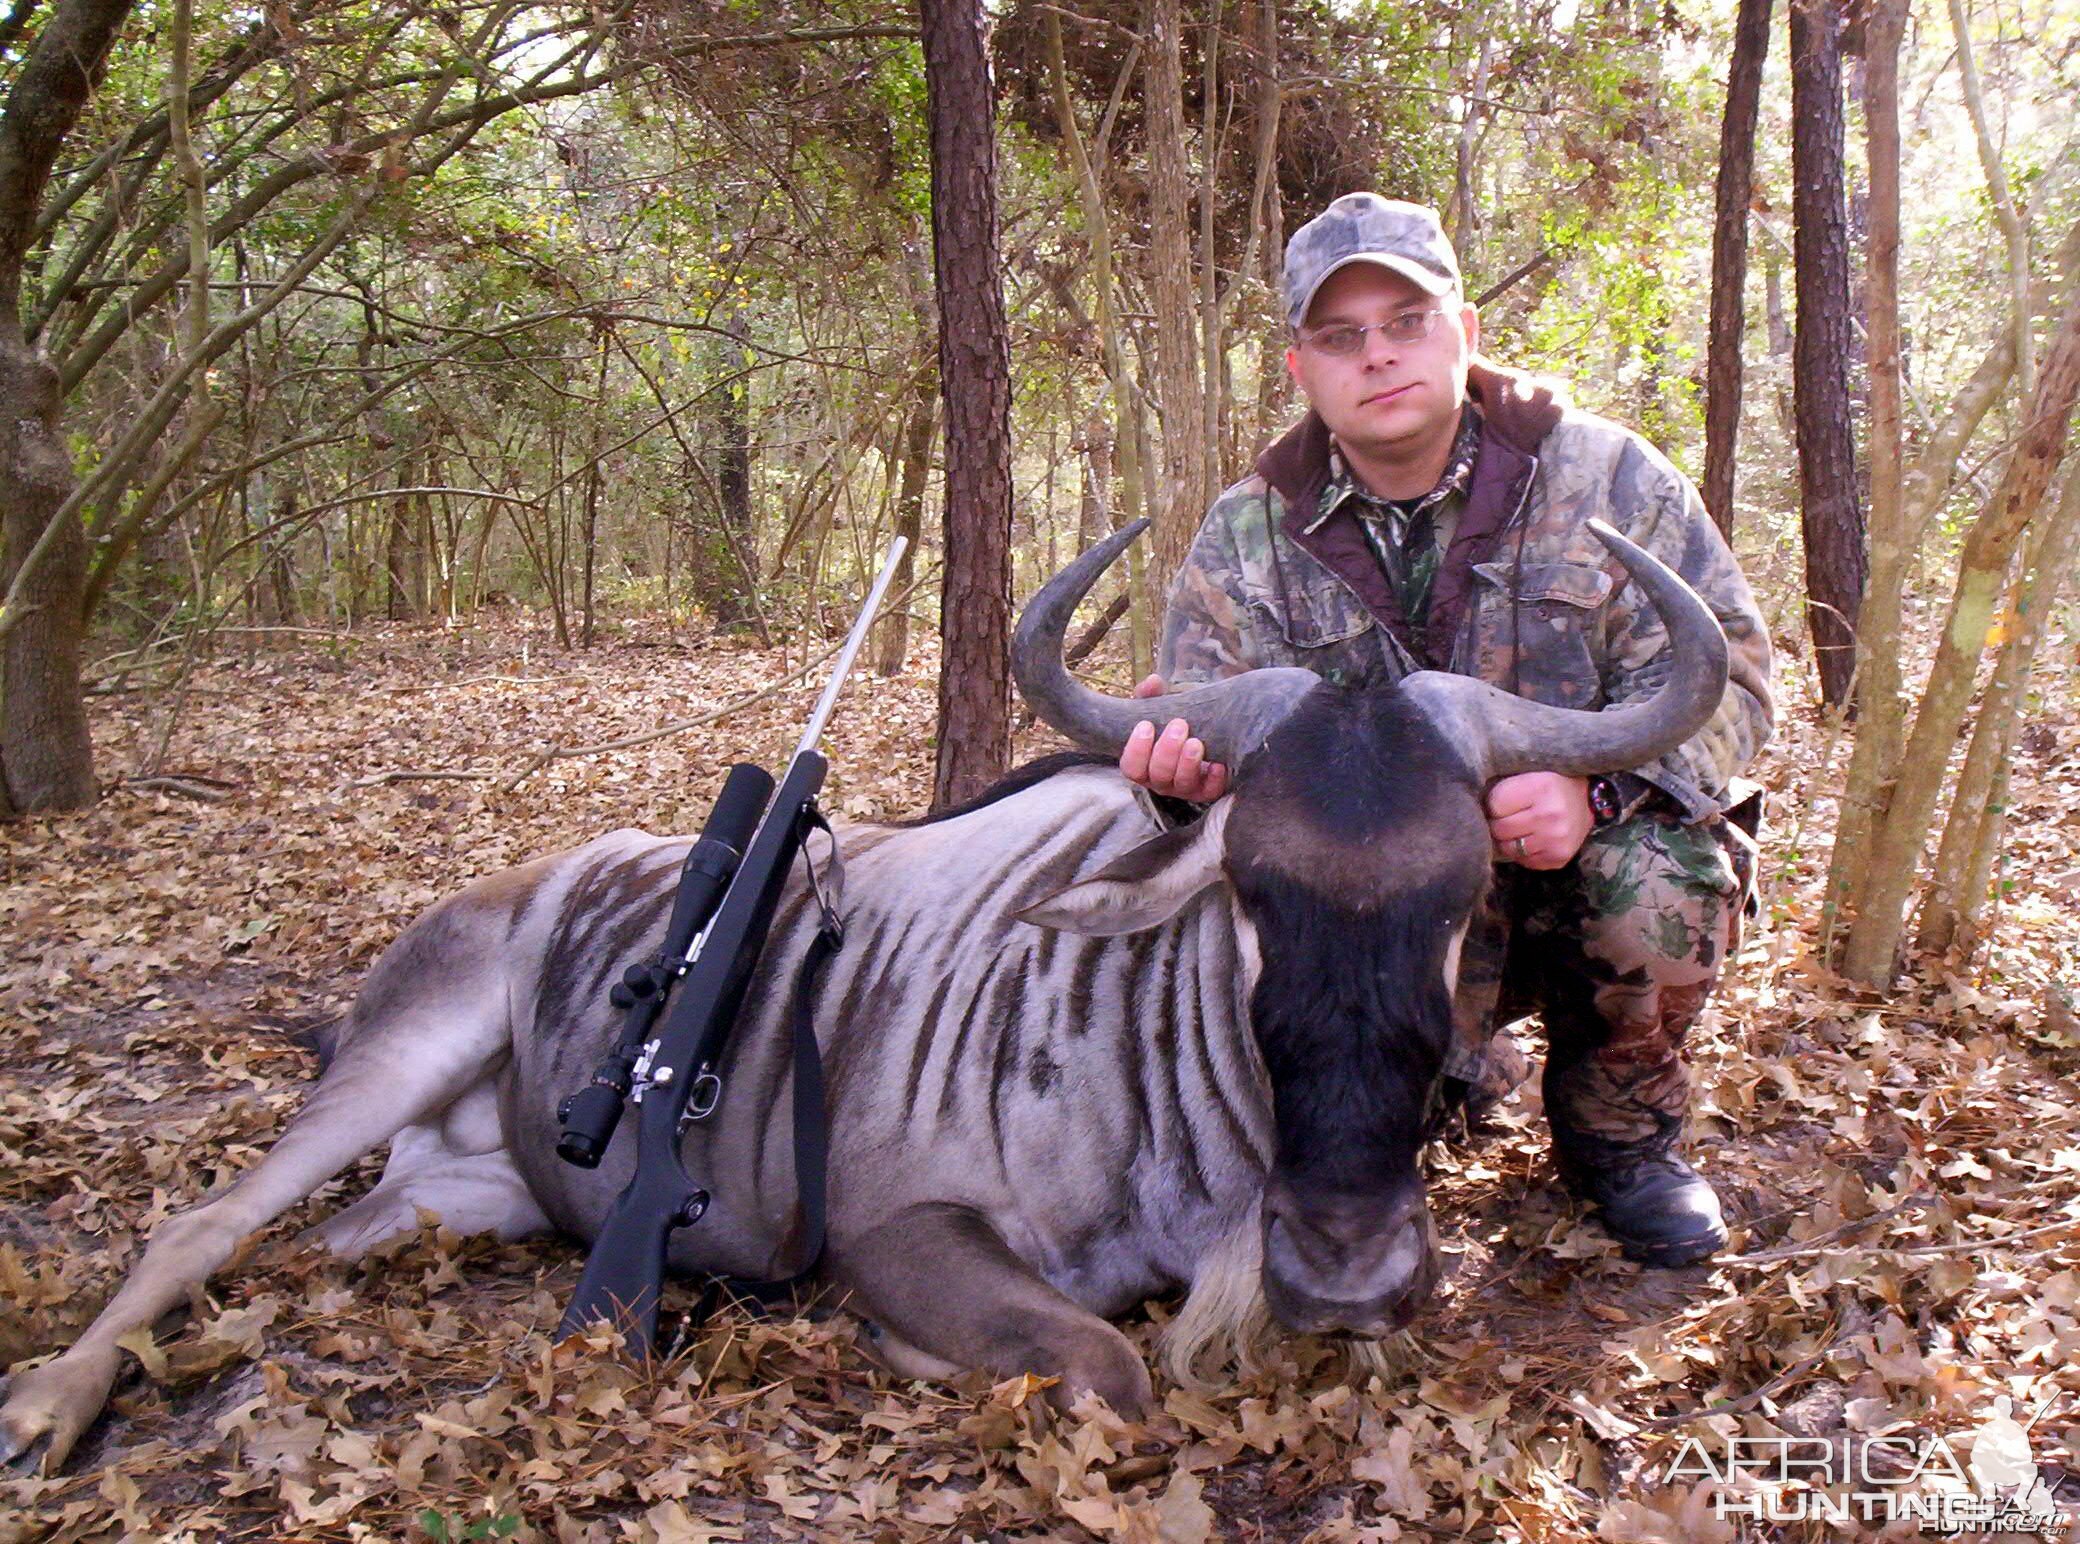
x=1617 y=953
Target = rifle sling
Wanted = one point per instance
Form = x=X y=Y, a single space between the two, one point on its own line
x=811 y=1118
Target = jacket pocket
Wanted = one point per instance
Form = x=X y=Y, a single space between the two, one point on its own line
x=1314 y=615
x=1542 y=647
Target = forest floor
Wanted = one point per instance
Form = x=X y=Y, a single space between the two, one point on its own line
x=1904 y=1180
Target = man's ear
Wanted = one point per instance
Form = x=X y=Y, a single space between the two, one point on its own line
x=1143 y=887
x=1470 y=320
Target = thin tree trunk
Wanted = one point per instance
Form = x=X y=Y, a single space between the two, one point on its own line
x=1128 y=505
x=1212 y=347
x=1734 y=192
x=732 y=603
x=893 y=644
x=1957 y=892
x=1875 y=764
x=1881 y=716
x=1871 y=953
x=975 y=389
x=1835 y=556
x=1178 y=385
x=2013 y=229
x=595 y=473
x=401 y=556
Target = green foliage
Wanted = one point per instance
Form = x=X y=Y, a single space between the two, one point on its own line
x=741 y=238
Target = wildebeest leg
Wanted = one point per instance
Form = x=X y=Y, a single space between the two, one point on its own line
x=389 y=1076
x=456 y=1167
x=942 y=1280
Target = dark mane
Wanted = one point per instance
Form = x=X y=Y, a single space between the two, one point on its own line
x=1017 y=780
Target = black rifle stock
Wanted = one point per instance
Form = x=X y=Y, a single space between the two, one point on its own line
x=624 y=1275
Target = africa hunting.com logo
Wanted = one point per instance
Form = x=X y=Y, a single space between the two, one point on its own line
x=1884 y=1480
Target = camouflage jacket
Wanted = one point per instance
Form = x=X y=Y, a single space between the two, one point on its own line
x=1525 y=598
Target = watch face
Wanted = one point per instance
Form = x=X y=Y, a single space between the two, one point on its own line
x=1603 y=800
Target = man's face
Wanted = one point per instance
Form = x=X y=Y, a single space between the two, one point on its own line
x=1389 y=400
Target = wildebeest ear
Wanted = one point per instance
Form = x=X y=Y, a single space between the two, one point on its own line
x=1143 y=887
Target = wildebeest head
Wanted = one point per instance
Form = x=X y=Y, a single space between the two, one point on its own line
x=1354 y=849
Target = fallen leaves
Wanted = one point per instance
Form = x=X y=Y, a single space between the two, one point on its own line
x=1905 y=1179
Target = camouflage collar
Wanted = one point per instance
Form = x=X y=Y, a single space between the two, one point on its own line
x=1457 y=478
x=1520 y=409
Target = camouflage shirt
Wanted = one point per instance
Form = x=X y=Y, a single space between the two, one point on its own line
x=1524 y=596
x=1410 y=536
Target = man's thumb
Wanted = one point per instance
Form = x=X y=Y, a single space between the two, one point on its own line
x=1151 y=686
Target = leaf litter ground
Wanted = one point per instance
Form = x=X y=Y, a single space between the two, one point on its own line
x=1904 y=1179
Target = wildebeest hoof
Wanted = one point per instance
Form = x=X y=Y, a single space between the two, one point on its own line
x=1110 y=1368
x=45 y=1410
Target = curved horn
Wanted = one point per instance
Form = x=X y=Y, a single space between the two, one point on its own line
x=1502 y=733
x=1232 y=717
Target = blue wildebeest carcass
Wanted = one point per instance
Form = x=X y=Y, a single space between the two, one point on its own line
x=1074 y=1056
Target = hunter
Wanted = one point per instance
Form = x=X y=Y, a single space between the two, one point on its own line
x=1430 y=512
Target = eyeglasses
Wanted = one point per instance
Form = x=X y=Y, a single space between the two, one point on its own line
x=1343 y=340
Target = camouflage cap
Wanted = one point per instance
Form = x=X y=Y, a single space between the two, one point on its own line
x=1365 y=228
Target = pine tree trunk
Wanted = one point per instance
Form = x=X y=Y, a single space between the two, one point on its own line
x=1736 y=184
x=975 y=390
x=1832 y=520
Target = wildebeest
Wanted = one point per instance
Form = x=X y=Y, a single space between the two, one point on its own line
x=1074 y=1056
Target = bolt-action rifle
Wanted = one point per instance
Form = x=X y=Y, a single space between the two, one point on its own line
x=729 y=889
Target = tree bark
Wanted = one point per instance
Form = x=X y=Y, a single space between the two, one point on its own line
x=1880 y=714
x=1870 y=955
x=1735 y=191
x=1957 y=892
x=1186 y=491
x=1832 y=519
x=975 y=392
x=1128 y=505
x=731 y=600
x=915 y=469
x=46 y=753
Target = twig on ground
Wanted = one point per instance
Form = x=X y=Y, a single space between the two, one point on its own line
x=1821 y=1243
x=1742 y=1403
x=410 y=775
x=187 y=785
x=485 y=680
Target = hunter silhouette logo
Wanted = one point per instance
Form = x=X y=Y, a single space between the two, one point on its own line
x=1844 y=1479
x=2001 y=1459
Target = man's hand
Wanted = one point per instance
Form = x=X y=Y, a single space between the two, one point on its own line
x=1170 y=763
x=1539 y=819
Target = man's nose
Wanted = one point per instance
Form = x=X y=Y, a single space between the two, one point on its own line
x=1377 y=348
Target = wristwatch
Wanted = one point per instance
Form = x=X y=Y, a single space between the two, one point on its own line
x=1604 y=804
